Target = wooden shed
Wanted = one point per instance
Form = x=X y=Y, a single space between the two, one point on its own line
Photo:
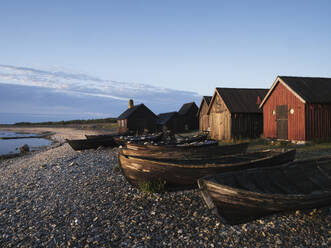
x=203 y=114
x=298 y=109
x=137 y=119
x=234 y=113
x=169 y=121
x=188 y=116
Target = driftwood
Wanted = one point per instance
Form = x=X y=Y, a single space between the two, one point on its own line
x=238 y=197
x=179 y=175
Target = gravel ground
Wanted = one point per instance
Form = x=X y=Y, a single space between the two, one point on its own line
x=62 y=198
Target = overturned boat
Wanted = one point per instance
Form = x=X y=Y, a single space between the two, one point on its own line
x=241 y=196
x=183 y=174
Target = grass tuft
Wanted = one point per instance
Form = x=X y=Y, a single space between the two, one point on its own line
x=116 y=168
x=152 y=186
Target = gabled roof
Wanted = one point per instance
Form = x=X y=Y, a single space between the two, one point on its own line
x=307 y=89
x=186 y=107
x=205 y=99
x=165 y=117
x=239 y=100
x=130 y=111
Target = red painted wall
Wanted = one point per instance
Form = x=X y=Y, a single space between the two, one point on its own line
x=318 y=121
x=296 y=121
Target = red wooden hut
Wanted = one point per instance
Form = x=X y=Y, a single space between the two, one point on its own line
x=298 y=108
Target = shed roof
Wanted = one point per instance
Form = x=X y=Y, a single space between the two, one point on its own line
x=307 y=89
x=130 y=111
x=205 y=99
x=240 y=100
x=165 y=117
x=186 y=107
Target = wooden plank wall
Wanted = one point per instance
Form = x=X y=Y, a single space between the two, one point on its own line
x=247 y=125
x=219 y=120
x=318 y=121
x=204 y=117
x=296 y=121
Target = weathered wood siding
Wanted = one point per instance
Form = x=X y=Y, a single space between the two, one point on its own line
x=318 y=121
x=219 y=120
x=204 y=118
x=122 y=126
x=246 y=125
x=281 y=95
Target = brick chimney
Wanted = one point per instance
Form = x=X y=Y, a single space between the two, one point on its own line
x=130 y=103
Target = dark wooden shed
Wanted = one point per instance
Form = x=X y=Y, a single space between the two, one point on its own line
x=137 y=119
x=203 y=114
x=234 y=113
x=169 y=121
x=298 y=109
x=188 y=116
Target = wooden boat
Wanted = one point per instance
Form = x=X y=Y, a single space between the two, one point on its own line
x=102 y=136
x=178 y=175
x=83 y=144
x=207 y=150
x=166 y=147
x=241 y=196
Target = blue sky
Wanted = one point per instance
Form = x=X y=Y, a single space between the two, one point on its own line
x=187 y=45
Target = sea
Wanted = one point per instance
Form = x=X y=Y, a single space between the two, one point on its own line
x=11 y=146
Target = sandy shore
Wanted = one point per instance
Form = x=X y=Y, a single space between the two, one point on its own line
x=60 y=198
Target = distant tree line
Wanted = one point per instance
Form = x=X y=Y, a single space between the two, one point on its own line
x=89 y=121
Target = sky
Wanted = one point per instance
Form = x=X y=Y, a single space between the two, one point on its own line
x=185 y=45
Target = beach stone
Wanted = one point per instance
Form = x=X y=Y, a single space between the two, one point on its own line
x=24 y=149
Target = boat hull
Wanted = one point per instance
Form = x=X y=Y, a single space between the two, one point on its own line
x=184 y=152
x=236 y=205
x=84 y=144
x=180 y=175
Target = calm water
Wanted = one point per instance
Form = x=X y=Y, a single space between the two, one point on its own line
x=13 y=145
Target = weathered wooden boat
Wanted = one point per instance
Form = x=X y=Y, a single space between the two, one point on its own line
x=178 y=175
x=206 y=151
x=162 y=146
x=238 y=197
x=83 y=144
x=102 y=136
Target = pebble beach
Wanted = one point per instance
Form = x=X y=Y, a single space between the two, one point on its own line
x=57 y=197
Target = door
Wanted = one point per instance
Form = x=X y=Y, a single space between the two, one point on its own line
x=282 y=122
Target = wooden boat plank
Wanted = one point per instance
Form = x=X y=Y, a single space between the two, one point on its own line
x=239 y=203
x=280 y=179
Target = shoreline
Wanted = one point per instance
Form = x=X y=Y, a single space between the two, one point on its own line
x=61 y=198
x=55 y=134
